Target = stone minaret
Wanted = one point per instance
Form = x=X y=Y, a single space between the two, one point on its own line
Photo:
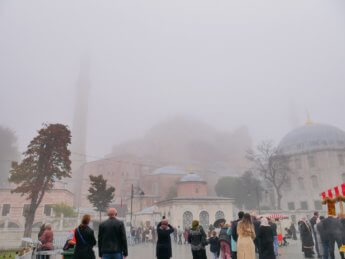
x=79 y=130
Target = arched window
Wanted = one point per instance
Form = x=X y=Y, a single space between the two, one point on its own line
x=187 y=219
x=219 y=215
x=315 y=181
x=204 y=219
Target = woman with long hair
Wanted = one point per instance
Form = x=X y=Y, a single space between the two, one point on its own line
x=246 y=235
x=85 y=240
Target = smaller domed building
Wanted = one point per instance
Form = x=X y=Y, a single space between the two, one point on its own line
x=192 y=202
x=191 y=185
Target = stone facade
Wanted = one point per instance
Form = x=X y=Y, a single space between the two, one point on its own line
x=120 y=175
x=316 y=154
x=182 y=211
x=13 y=206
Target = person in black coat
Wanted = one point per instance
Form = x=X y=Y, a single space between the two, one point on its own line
x=163 y=248
x=265 y=237
x=85 y=240
x=333 y=234
x=214 y=245
x=112 y=238
x=306 y=238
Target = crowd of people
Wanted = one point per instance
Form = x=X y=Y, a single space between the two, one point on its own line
x=240 y=239
x=319 y=235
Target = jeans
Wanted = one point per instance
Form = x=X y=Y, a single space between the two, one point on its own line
x=325 y=246
x=214 y=255
x=332 y=245
x=275 y=245
x=112 y=256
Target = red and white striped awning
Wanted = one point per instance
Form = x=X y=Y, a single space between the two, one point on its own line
x=274 y=216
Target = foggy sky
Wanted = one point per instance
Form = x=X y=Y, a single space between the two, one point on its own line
x=228 y=63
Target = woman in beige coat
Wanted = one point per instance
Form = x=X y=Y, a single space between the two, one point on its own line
x=246 y=235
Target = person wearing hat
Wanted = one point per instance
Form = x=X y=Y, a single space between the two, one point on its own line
x=163 y=248
x=197 y=239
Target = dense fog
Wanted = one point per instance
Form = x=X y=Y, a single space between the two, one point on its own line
x=260 y=64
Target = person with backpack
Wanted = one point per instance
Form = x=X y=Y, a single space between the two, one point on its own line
x=197 y=240
x=85 y=240
x=225 y=240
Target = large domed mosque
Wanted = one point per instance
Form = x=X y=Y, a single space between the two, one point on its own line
x=316 y=155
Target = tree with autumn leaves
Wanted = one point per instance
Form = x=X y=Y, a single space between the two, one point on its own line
x=46 y=160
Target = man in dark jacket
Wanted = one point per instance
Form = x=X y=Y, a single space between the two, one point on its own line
x=112 y=239
x=235 y=235
x=333 y=234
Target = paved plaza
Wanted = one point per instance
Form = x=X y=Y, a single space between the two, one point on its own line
x=147 y=251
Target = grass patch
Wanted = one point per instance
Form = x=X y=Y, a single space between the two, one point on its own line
x=8 y=254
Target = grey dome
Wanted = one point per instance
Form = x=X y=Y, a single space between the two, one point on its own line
x=312 y=137
x=169 y=170
x=191 y=177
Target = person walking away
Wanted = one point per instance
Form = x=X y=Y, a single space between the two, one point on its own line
x=342 y=222
x=85 y=240
x=320 y=233
x=265 y=239
x=333 y=232
x=214 y=245
x=163 y=248
x=313 y=221
x=185 y=235
x=112 y=239
x=246 y=236
x=306 y=238
x=197 y=239
x=225 y=240
x=256 y=224
x=234 y=235
x=179 y=234
x=275 y=236
x=46 y=240
x=293 y=231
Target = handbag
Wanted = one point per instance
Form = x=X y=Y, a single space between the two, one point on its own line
x=81 y=237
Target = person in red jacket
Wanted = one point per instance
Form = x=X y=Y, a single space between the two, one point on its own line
x=47 y=239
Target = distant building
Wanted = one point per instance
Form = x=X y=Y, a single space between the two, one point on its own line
x=13 y=207
x=316 y=154
x=191 y=203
